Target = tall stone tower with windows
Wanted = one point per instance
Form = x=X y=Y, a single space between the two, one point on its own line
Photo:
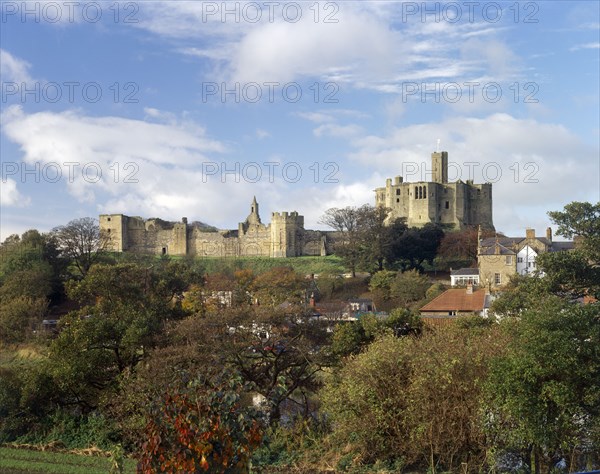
x=459 y=204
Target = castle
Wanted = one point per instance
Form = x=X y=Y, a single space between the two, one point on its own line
x=458 y=204
x=285 y=236
x=437 y=201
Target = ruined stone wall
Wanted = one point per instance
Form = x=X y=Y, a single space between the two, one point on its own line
x=459 y=204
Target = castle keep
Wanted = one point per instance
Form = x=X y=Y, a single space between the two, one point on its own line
x=285 y=236
x=437 y=201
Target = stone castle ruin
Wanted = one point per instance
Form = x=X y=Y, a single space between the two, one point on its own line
x=285 y=236
x=437 y=201
x=457 y=204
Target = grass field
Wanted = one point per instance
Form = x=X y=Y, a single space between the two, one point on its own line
x=20 y=461
x=305 y=265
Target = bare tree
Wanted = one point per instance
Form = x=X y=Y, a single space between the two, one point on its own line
x=82 y=242
x=362 y=233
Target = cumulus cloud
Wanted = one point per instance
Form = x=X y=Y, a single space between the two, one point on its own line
x=10 y=195
x=367 y=45
x=14 y=69
x=166 y=170
x=530 y=163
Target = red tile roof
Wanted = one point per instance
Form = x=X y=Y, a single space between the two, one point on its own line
x=457 y=300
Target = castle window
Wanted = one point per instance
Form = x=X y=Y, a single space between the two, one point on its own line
x=425 y=192
x=497 y=278
x=108 y=219
x=509 y=259
x=479 y=192
x=445 y=190
x=447 y=204
x=397 y=192
x=397 y=199
x=416 y=192
x=164 y=250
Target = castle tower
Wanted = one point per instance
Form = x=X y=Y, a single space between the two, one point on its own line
x=253 y=217
x=439 y=167
x=113 y=228
x=286 y=234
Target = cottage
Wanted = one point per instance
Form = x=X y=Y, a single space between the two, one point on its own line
x=456 y=302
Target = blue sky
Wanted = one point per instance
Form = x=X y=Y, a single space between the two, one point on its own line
x=171 y=109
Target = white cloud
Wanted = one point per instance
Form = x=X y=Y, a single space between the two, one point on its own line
x=585 y=46
x=10 y=195
x=261 y=134
x=14 y=69
x=551 y=166
x=338 y=131
x=369 y=46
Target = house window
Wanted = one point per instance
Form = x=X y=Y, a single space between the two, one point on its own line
x=497 y=280
x=447 y=204
x=451 y=313
x=509 y=259
x=397 y=192
x=519 y=259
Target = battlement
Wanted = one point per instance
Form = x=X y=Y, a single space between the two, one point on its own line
x=282 y=238
x=438 y=201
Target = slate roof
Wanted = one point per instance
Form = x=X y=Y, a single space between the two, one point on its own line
x=559 y=246
x=491 y=250
x=465 y=272
x=517 y=242
x=458 y=300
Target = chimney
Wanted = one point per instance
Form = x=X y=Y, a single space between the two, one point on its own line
x=549 y=234
x=530 y=234
x=469 y=289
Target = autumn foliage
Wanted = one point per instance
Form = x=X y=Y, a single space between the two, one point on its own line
x=201 y=427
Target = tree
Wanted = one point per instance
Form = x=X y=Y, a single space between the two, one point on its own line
x=19 y=315
x=82 y=242
x=415 y=401
x=278 y=285
x=202 y=426
x=347 y=222
x=415 y=246
x=580 y=219
x=380 y=286
x=543 y=395
x=280 y=353
x=409 y=287
x=376 y=235
x=459 y=248
x=125 y=310
x=576 y=272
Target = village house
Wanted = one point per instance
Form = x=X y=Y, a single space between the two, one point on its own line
x=456 y=302
x=500 y=257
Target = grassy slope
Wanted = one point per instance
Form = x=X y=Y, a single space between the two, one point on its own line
x=304 y=265
x=17 y=461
